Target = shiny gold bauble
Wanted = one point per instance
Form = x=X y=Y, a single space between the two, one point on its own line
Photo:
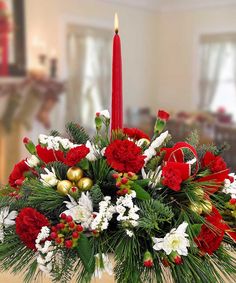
x=206 y=206
x=74 y=174
x=63 y=187
x=196 y=208
x=85 y=184
x=199 y=192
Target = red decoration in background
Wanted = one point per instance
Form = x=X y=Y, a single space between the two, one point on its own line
x=117 y=98
x=4 y=30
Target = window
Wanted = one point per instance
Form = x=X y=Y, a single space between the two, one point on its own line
x=89 y=64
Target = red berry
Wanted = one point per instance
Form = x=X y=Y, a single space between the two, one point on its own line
x=74 y=189
x=118 y=184
x=124 y=180
x=178 y=260
x=68 y=244
x=232 y=201
x=165 y=262
x=115 y=176
x=75 y=235
x=53 y=235
x=58 y=240
x=63 y=216
x=125 y=191
x=72 y=225
x=119 y=193
x=130 y=174
x=148 y=263
x=53 y=228
x=26 y=140
x=69 y=219
x=79 y=228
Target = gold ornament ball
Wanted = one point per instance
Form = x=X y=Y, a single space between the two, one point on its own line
x=196 y=208
x=85 y=184
x=207 y=206
x=63 y=187
x=74 y=174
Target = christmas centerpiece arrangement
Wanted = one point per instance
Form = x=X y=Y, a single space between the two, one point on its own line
x=140 y=207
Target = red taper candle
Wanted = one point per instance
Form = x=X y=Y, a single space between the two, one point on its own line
x=117 y=98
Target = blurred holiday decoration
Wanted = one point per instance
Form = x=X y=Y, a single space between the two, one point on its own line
x=159 y=207
x=5 y=28
x=29 y=99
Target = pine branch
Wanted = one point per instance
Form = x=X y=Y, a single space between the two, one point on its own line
x=77 y=133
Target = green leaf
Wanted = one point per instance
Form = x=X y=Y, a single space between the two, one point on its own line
x=140 y=192
x=84 y=164
x=195 y=228
x=86 y=254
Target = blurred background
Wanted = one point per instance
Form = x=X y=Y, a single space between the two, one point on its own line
x=55 y=66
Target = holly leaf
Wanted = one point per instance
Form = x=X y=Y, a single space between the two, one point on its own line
x=140 y=192
x=86 y=255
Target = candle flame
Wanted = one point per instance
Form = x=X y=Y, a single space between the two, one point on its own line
x=116 y=23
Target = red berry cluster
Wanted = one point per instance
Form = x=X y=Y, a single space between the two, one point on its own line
x=124 y=182
x=148 y=263
x=67 y=232
x=148 y=260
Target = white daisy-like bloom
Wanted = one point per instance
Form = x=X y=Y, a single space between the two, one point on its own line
x=81 y=211
x=50 y=178
x=230 y=188
x=56 y=143
x=102 y=264
x=104 y=215
x=129 y=233
x=176 y=240
x=45 y=250
x=127 y=211
x=154 y=176
x=105 y=113
x=93 y=151
x=6 y=219
x=32 y=161
x=151 y=150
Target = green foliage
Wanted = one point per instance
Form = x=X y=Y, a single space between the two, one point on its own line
x=140 y=192
x=37 y=194
x=60 y=169
x=55 y=133
x=96 y=195
x=117 y=135
x=154 y=215
x=99 y=170
x=86 y=255
x=77 y=133
x=193 y=138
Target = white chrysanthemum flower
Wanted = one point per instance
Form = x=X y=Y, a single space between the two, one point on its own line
x=32 y=161
x=81 y=211
x=176 y=240
x=6 y=219
x=102 y=264
x=93 y=151
x=230 y=188
x=49 y=179
x=43 y=139
x=151 y=150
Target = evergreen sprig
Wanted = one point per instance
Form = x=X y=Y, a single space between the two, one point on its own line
x=77 y=133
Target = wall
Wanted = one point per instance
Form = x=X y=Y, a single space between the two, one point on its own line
x=178 y=53
x=45 y=19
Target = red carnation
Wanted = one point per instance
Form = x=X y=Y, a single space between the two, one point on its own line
x=214 y=163
x=49 y=155
x=16 y=177
x=124 y=156
x=135 y=134
x=76 y=154
x=211 y=235
x=174 y=173
x=163 y=115
x=28 y=224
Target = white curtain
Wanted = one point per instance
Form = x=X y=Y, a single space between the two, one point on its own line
x=212 y=58
x=89 y=62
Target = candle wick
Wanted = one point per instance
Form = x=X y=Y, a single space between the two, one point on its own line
x=116 y=30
